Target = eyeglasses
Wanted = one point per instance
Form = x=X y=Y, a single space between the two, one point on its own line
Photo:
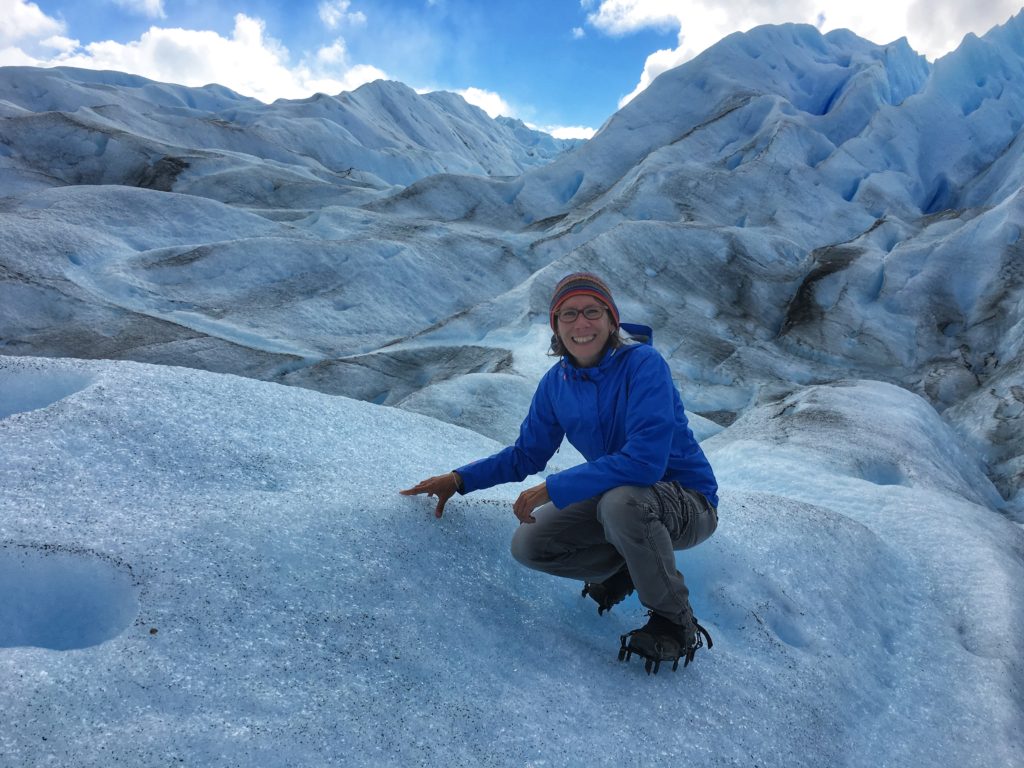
x=591 y=313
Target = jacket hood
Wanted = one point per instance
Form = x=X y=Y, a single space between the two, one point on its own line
x=641 y=334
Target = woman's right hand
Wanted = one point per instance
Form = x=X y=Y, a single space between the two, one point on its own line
x=443 y=486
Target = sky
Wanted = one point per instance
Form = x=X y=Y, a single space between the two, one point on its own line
x=563 y=66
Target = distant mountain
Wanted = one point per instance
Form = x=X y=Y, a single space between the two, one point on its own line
x=789 y=208
x=380 y=135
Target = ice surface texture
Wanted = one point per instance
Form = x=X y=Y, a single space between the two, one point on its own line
x=306 y=614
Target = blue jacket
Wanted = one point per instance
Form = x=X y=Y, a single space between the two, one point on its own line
x=624 y=415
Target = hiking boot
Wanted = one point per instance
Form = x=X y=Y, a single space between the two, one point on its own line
x=611 y=591
x=662 y=640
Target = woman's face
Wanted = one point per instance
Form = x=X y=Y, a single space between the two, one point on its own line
x=584 y=339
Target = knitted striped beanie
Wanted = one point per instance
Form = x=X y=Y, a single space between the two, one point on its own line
x=582 y=284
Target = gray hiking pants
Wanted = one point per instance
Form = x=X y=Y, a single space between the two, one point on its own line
x=632 y=525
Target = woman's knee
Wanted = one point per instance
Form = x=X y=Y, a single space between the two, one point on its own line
x=523 y=546
x=621 y=507
x=706 y=523
x=702 y=521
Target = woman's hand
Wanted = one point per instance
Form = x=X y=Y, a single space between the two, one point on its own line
x=528 y=501
x=443 y=486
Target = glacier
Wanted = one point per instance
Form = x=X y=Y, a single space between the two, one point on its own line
x=203 y=565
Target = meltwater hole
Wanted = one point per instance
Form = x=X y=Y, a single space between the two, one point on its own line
x=23 y=390
x=62 y=598
x=883 y=473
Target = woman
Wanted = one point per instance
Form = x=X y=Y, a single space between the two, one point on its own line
x=645 y=490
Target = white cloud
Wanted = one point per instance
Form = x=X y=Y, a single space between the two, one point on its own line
x=15 y=57
x=315 y=81
x=248 y=62
x=620 y=17
x=940 y=27
x=570 y=131
x=657 y=62
x=25 y=23
x=578 y=33
x=60 y=44
x=563 y=131
x=933 y=27
x=335 y=54
x=332 y=73
x=151 y=8
x=489 y=101
x=335 y=13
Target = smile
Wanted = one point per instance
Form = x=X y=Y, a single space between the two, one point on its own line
x=583 y=339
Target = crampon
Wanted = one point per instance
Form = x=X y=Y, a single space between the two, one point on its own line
x=609 y=592
x=662 y=641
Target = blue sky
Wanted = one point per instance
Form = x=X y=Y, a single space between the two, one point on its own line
x=561 y=65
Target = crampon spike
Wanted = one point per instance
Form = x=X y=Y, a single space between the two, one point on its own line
x=699 y=644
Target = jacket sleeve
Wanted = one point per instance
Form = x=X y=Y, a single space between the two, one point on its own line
x=643 y=458
x=539 y=438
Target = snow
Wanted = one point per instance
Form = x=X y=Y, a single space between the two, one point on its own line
x=269 y=598
x=231 y=332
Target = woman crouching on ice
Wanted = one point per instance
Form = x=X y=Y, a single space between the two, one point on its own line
x=645 y=490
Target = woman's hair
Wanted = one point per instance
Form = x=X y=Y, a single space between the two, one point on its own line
x=558 y=348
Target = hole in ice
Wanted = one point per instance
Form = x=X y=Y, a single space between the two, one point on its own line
x=61 y=598
x=24 y=390
x=788 y=630
x=882 y=473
